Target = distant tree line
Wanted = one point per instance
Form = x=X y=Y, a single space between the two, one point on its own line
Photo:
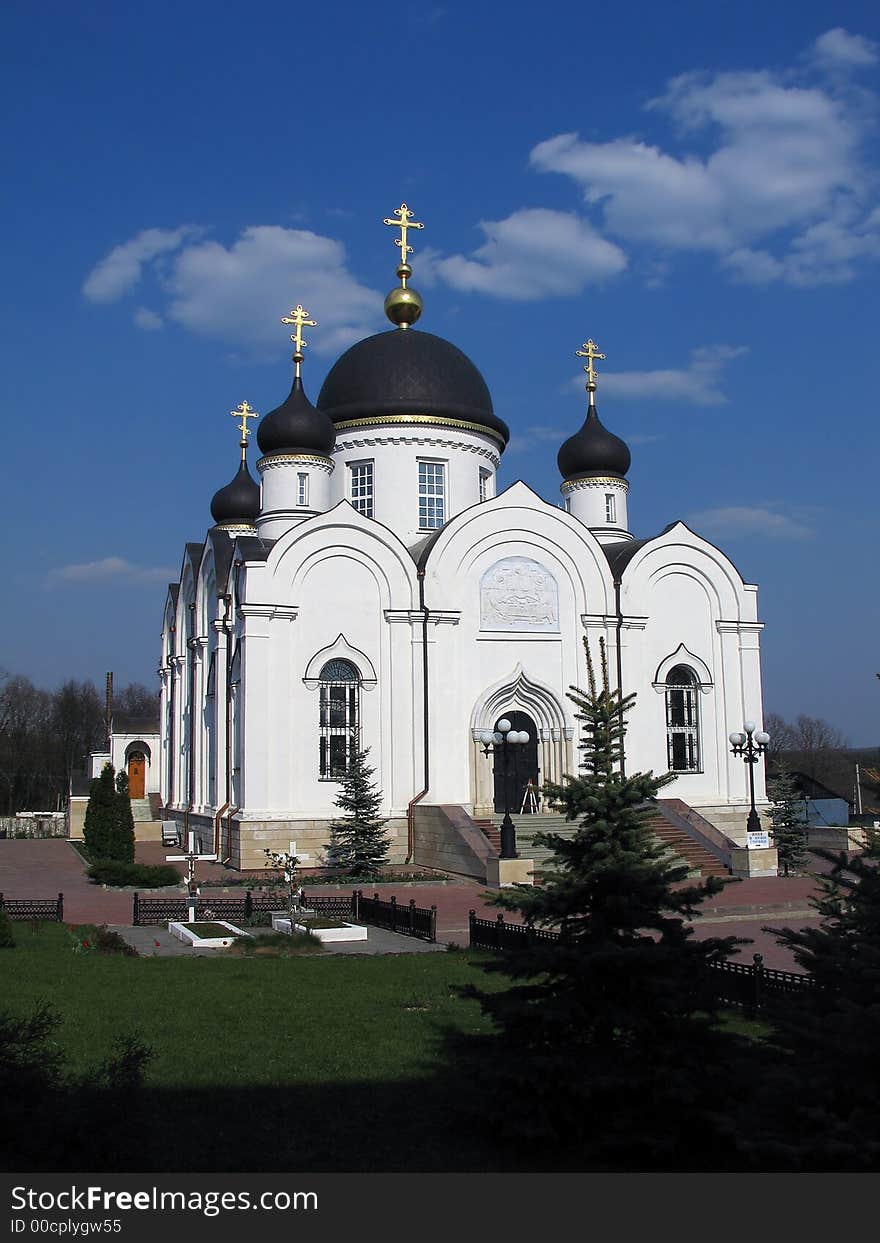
x=45 y=736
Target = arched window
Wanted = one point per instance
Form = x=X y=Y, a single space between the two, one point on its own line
x=339 y=699
x=682 y=720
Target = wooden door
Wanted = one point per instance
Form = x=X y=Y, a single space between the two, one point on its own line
x=137 y=774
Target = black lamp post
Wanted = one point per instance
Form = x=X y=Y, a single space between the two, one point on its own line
x=750 y=745
x=501 y=743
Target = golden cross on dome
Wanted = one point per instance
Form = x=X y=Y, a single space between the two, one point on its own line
x=590 y=351
x=244 y=412
x=299 y=316
x=403 y=222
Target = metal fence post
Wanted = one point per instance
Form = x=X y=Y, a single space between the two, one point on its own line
x=59 y=909
x=499 y=930
x=393 y=912
x=248 y=904
x=356 y=903
x=433 y=922
x=135 y=914
x=412 y=915
x=758 y=960
x=472 y=915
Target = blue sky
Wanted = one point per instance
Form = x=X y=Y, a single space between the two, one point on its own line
x=695 y=186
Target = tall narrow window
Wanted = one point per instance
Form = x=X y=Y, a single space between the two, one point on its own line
x=339 y=707
x=432 y=495
x=302 y=489
x=610 y=507
x=682 y=720
x=361 y=481
x=485 y=484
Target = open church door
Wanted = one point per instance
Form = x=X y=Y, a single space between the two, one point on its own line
x=522 y=764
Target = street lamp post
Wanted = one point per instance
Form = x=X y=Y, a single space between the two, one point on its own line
x=502 y=742
x=750 y=745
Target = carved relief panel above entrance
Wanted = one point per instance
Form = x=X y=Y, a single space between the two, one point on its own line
x=519 y=594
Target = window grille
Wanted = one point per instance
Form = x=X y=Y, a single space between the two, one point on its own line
x=682 y=720
x=610 y=507
x=302 y=490
x=339 y=708
x=485 y=484
x=361 y=480
x=432 y=495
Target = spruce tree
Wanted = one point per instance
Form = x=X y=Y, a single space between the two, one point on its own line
x=358 y=841
x=788 y=825
x=607 y=1042
x=99 y=819
x=121 y=845
x=819 y=1103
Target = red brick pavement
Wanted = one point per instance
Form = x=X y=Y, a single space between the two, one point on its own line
x=43 y=868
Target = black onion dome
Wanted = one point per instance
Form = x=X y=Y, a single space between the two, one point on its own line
x=593 y=451
x=239 y=501
x=296 y=426
x=408 y=372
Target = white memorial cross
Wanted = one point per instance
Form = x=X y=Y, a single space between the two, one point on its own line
x=191 y=858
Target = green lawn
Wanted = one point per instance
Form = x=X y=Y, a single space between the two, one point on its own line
x=307 y=1062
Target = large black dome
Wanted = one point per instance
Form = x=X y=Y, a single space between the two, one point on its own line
x=593 y=451
x=238 y=504
x=296 y=426
x=408 y=372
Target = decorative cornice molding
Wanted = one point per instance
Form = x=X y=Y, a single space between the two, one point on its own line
x=436 y=617
x=246 y=528
x=288 y=612
x=737 y=627
x=594 y=481
x=370 y=442
x=319 y=460
x=428 y=420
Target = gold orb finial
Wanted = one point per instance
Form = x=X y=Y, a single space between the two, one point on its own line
x=403 y=306
x=590 y=351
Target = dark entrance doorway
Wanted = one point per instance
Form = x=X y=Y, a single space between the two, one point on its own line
x=522 y=764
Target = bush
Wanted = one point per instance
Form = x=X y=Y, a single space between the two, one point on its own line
x=112 y=872
x=7 y=939
x=92 y=939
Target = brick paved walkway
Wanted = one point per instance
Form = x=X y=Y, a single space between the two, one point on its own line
x=43 y=868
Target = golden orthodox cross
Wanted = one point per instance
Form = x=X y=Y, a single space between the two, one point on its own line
x=590 y=351
x=403 y=222
x=244 y=412
x=299 y=316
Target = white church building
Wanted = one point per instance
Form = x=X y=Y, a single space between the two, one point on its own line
x=374 y=589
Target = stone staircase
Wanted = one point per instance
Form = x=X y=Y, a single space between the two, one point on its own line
x=680 y=846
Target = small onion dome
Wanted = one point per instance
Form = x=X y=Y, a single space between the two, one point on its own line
x=296 y=426
x=593 y=451
x=408 y=373
x=239 y=502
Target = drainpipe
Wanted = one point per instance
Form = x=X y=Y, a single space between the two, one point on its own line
x=619 y=667
x=410 y=811
x=227 y=738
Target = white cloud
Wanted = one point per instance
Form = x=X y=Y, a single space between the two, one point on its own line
x=699 y=383
x=146 y=319
x=531 y=254
x=109 y=569
x=771 y=161
x=731 y=521
x=120 y=270
x=238 y=293
x=838 y=47
x=520 y=442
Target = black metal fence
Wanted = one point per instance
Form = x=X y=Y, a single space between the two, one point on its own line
x=250 y=908
x=409 y=920
x=21 y=909
x=750 y=985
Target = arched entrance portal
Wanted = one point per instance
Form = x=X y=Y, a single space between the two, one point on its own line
x=522 y=765
x=137 y=774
